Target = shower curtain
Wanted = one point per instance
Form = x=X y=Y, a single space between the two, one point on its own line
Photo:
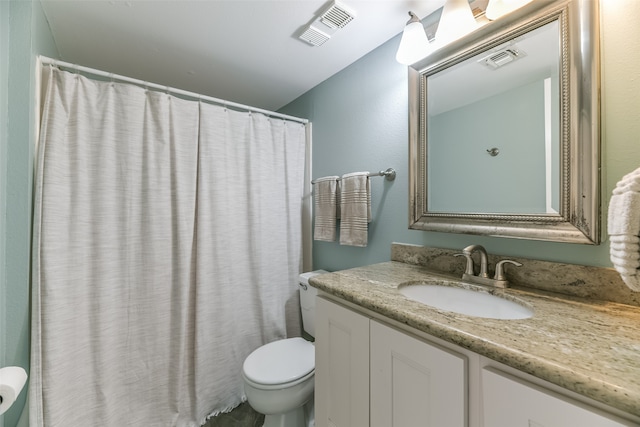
x=167 y=244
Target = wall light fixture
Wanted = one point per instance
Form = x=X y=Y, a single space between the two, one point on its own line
x=414 y=44
x=456 y=20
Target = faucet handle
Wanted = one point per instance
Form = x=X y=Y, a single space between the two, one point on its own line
x=500 y=268
x=469 y=267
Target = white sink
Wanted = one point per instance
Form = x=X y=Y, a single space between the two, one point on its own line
x=467 y=301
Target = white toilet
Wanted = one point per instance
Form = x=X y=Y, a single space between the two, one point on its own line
x=279 y=376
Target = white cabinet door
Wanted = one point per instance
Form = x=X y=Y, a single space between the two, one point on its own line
x=342 y=366
x=512 y=402
x=414 y=383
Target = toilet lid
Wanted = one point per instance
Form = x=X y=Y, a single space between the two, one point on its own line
x=280 y=361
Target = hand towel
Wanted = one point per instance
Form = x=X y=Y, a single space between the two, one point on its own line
x=628 y=265
x=623 y=223
x=629 y=244
x=623 y=239
x=624 y=214
x=629 y=182
x=624 y=252
x=630 y=253
x=325 y=206
x=355 y=207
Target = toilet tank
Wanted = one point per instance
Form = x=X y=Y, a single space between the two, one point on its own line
x=308 y=301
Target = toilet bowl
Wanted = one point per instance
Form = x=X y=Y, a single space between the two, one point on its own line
x=279 y=377
x=279 y=380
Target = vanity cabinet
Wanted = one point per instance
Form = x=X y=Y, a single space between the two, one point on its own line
x=414 y=383
x=371 y=374
x=368 y=374
x=342 y=367
x=510 y=401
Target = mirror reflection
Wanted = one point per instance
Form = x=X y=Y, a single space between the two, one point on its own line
x=504 y=136
x=492 y=116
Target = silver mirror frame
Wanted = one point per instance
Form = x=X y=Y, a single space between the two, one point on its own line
x=579 y=218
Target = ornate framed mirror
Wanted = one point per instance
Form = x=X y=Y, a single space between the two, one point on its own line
x=504 y=128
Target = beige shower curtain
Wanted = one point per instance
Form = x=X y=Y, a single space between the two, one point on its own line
x=167 y=244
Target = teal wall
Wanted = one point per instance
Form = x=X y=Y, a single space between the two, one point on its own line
x=360 y=122
x=25 y=34
x=4 y=88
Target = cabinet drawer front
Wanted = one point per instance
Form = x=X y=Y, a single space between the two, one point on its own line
x=513 y=402
x=342 y=367
x=414 y=383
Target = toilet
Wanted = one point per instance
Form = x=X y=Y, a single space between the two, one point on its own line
x=279 y=376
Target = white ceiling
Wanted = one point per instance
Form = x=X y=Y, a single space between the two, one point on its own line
x=244 y=51
x=469 y=81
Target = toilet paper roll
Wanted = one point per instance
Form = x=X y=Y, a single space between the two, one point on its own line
x=12 y=380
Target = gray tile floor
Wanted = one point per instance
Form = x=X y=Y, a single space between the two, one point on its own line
x=242 y=416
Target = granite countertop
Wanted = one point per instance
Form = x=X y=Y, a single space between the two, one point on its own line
x=589 y=347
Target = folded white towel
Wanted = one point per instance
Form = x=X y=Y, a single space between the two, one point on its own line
x=622 y=253
x=623 y=238
x=631 y=280
x=625 y=271
x=626 y=263
x=355 y=207
x=629 y=182
x=624 y=214
x=325 y=208
x=625 y=253
x=624 y=229
x=625 y=249
x=627 y=187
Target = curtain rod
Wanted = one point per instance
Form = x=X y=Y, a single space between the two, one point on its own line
x=112 y=76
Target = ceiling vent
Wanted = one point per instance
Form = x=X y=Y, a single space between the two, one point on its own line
x=314 y=36
x=502 y=57
x=335 y=17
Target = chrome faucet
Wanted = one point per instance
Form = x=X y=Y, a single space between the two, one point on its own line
x=499 y=280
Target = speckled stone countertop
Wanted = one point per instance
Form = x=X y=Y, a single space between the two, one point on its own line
x=590 y=347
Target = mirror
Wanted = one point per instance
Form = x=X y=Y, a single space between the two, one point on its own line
x=504 y=128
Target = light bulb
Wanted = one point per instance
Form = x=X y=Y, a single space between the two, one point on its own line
x=414 y=44
x=456 y=21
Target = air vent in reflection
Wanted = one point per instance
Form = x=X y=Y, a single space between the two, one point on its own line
x=502 y=57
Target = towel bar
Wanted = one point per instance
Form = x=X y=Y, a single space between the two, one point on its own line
x=389 y=174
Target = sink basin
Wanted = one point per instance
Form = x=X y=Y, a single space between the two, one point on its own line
x=467 y=301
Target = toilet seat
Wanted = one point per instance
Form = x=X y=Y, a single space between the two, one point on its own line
x=281 y=386
x=289 y=361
